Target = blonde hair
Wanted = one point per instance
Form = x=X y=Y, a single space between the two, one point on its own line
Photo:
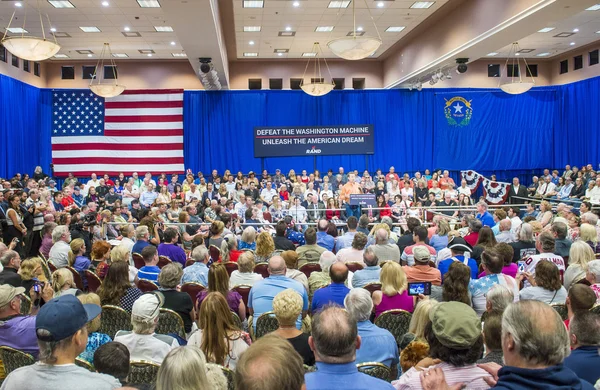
x=94 y=299
x=287 y=306
x=380 y=226
x=184 y=368
x=393 y=279
x=536 y=227
x=119 y=253
x=453 y=233
x=420 y=318
x=545 y=205
x=28 y=267
x=76 y=246
x=443 y=227
x=249 y=235
x=580 y=254
x=60 y=278
x=246 y=262
x=264 y=244
x=588 y=233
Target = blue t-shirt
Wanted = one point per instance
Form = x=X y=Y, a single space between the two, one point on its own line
x=343 y=376
x=486 y=219
x=332 y=294
x=444 y=266
x=138 y=246
x=149 y=272
x=377 y=345
x=326 y=241
x=263 y=292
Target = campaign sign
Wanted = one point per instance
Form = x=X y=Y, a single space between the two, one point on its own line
x=315 y=140
x=362 y=200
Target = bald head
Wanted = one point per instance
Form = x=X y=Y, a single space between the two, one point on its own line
x=338 y=272
x=505 y=225
x=322 y=226
x=277 y=266
x=381 y=236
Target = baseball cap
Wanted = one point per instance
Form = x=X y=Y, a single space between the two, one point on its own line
x=455 y=324
x=148 y=306
x=51 y=182
x=8 y=293
x=421 y=254
x=62 y=317
x=76 y=189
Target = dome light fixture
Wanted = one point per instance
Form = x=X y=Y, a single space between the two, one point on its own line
x=30 y=48
x=356 y=47
x=515 y=84
x=99 y=84
x=317 y=85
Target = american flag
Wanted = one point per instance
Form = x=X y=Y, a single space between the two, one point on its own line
x=139 y=130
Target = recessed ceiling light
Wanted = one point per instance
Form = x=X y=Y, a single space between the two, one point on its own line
x=492 y=54
x=339 y=4
x=309 y=54
x=251 y=43
x=250 y=54
x=597 y=32
x=395 y=29
x=18 y=4
x=324 y=29
x=120 y=55
x=17 y=30
x=105 y=3
x=163 y=28
x=126 y=28
x=422 y=4
x=359 y=28
x=572 y=44
x=296 y=4
x=252 y=28
x=279 y=54
x=380 y=4
x=593 y=8
x=90 y=29
x=61 y=56
x=288 y=28
x=253 y=4
x=543 y=54
x=179 y=54
x=517 y=54
x=546 y=29
x=575 y=30
x=146 y=51
x=173 y=43
x=89 y=55
x=148 y=3
x=53 y=29
x=61 y=4
x=149 y=54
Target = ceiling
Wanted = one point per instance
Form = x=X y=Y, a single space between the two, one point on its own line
x=277 y=15
x=111 y=21
x=549 y=45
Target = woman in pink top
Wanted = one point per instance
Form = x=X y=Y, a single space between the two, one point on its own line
x=393 y=294
x=507 y=252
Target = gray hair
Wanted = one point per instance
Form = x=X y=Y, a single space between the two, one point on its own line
x=58 y=232
x=370 y=257
x=483 y=205
x=499 y=297
x=326 y=260
x=590 y=218
x=48 y=348
x=49 y=227
x=594 y=269
x=526 y=233
x=388 y=221
x=183 y=365
x=475 y=225
x=381 y=236
x=170 y=275
x=585 y=325
x=537 y=342
x=7 y=257
x=359 y=304
x=141 y=231
x=143 y=325
x=200 y=253
x=334 y=334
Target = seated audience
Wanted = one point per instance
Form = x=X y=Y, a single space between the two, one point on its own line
x=59 y=253
x=198 y=271
x=310 y=252
x=454 y=337
x=579 y=298
x=420 y=319
x=150 y=269
x=63 y=283
x=525 y=245
x=497 y=299
x=334 y=293
x=281 y=241
x=170 y=249
x=593 y=277
x=245 y=273
x=412 y=354
x=217 y=336
x=265 y=246
x=492 y=339
x=492 y=265
x=61 y=329
x=179 y=302
x=122 y=254
x=377 y=344
x=47 y=238
x=185 y=368
x=440 y=239
x=505 y=231
x=461 y=251
x=76 y=257
x=287 y=306
x=142 y=342
x=422 y=271
x=142 y=235
x=371 y=272
x=31 y=273
x=506 y=252
x=334 y=340
x=100 y=257
x=545 y=284
x=112 y=359
x=456 y=284
x=116 y=289
x=260 y=299
x=545 y=247
x=11 y=262
x=584 y=336
x=218 y=281
x=318 y=279
x=95 y=339
x=580 y=254
x=270 y=364
x=472 y=236
x=291 y=263
x=385 y=250
x=588 y=234
x=346 y=239
x=354 y=253
x=562 y=245
x=229 y=249
x=394 y=293
x=324 y=240
x=248 y=239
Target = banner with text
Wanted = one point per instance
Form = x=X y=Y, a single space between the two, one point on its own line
x=315 y=140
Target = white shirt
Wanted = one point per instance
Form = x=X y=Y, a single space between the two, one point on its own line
x=546 y=188
x=595 y=195
x=248 y=278
x=237 y=347
x=515 y=223
x=149 y=347
x=267 y=195
x=59 y=254
x=464 y=190
x=532 y=262
x=192 y=194
x=298 y=213
x=349 y=254
x=328 y=193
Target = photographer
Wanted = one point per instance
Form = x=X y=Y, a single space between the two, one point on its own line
x=82 y=229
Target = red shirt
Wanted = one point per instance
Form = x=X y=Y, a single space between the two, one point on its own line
x=471 y=238
x=67 y=201
x=284 y=195
x=386 y=212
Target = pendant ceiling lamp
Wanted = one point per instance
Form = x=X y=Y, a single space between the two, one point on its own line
x=356 y=47
x=99 y=85
x=317 y=85
x=28 y=47
x=514 y=83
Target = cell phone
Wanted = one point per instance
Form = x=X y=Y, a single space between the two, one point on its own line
x=521 y=265
x=419 y=288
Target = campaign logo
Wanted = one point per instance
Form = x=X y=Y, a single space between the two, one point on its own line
x=313 y=150
x=458 y=111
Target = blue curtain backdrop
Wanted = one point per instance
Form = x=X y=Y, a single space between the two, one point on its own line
x=507 y=135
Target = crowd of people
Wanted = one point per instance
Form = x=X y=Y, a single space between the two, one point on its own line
x=500 y=278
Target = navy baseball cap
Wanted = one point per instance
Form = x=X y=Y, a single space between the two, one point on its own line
x=62 y=317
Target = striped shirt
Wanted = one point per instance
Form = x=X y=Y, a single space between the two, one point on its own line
x=149 y=272
x=471 y=375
